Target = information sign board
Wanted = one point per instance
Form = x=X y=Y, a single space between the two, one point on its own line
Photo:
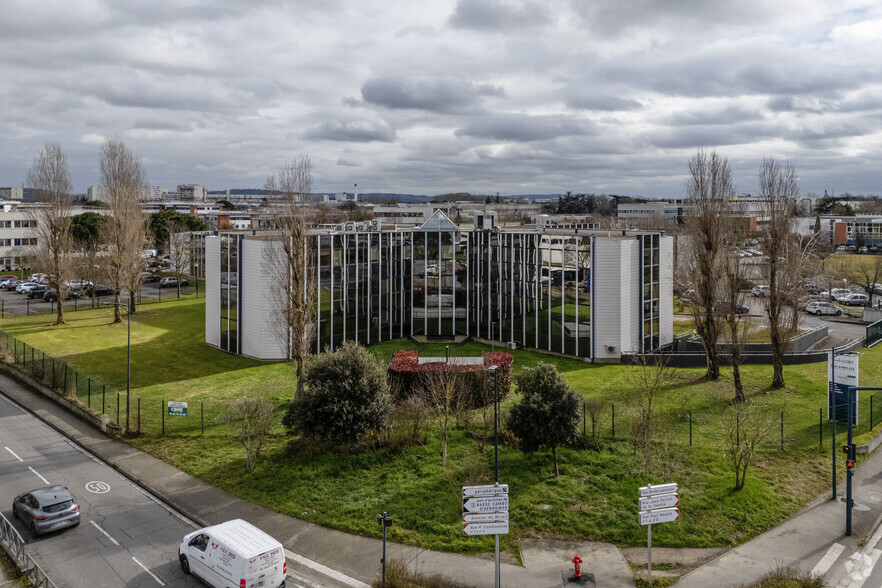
x=664 y=515
x=659 y=489
x=470 y=529
x=485 y=504
x=492 y=490
x=846 y=372
x=660 y=501
x=177 y=408
x=485 y=517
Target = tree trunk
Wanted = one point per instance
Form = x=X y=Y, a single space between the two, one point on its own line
x=299 y=371
x=59 y=319
x=739 y=387
x=444 y=451
x=117 y=317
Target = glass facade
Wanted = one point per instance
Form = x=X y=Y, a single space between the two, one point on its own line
x=528 y=287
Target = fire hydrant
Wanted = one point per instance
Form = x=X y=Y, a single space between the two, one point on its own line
x=577 y=561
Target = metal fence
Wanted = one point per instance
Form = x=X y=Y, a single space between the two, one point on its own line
x=874 y=333
x=15 y=547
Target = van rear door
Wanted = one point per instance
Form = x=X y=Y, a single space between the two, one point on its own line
x=267 y=570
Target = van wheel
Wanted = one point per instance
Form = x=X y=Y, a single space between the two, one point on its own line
x=185 y=565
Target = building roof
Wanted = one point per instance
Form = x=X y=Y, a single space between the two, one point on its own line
x=439 y=222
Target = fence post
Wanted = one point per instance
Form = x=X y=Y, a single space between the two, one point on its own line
x=29 y=307
x=43 y=377
x=583 y=420
x=139 y=415
x=613 y=421
x=103 y=398
x=117 y=409
x=64 y=390
x=89 y=397
x=782 y=430
x=202 y=416
x=162 y=410
x=820 y=427
x=690 y=428
x=871 y=413
x=76 y=384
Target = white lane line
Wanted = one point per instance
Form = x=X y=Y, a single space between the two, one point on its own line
x=831 y=556
x=45 y=481
x=94 y=524
x=152 y=575
x=333 y=574
x=13 y=454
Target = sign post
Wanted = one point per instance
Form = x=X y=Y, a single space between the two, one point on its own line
x=485 y=512
x=657 y=504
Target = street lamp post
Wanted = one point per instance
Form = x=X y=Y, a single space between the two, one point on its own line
x=495 y=370
x=128 y=354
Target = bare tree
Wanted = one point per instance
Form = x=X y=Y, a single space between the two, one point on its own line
x=867 y=273
x=708 y=189
x=445 y=399
x=252 y=421
x=178 y=250
x=291 y=264
x=731 y=312
x=647 y=382
x=124 y=230
x=745 y=427
x=778 y=189
x=49 y=176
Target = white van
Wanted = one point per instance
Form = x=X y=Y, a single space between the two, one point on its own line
x=235 y=554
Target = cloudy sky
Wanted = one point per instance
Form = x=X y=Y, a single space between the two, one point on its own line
x=485 y=96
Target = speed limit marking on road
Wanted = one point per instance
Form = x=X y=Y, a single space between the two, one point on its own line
x=98 y=487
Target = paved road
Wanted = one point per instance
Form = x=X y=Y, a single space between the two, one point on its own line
x=126 y=538
x=13 y=303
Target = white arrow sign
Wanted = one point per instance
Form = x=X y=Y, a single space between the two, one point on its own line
x=485 y=529
x=495 y=490
x=654 y=517
x=485 y=517
x=487 y=504
x=659 y=489
x=661 y=501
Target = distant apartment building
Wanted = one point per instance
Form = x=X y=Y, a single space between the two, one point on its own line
x=643 y=212
x=145 y=194
x=190 y=193
x=12 y=193
x=849 y=230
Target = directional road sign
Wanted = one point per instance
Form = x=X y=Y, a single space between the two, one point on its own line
x=664 y=515
x=485 y=517
x=485 y=528
x=660 y=501
x=486 y=504
x=494 y=490
x=659 y=489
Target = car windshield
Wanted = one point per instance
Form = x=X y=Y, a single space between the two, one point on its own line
x=58 y=507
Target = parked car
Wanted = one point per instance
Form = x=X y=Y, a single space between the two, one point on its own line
x=79 y=284
x=39 y=278
x=149 y=277
x=839 y=294
x=760 y=291
x=25 y=287
x=100 y=290
x=52 y=295
x=854 y=300
x=11 y=284
x=739 y=308
x=46 y=509
x=818 y=308
x=169 y=282
x=37 y=292
x=235 y=549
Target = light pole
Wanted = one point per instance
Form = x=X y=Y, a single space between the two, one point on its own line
x=128 y=354
x=495 y=370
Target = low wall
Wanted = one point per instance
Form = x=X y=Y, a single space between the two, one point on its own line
x=799 y=344
x=71 y=406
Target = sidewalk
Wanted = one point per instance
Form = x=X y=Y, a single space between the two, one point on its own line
x=347 y=560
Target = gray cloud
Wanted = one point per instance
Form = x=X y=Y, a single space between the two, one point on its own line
x=495 y=15
x=359 y=131
x=525 y=128
x=589 y=101
x=442 y=96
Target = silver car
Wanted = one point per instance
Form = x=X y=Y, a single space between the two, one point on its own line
x=46 y=509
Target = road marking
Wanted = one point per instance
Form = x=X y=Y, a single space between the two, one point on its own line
x=831 y=556
x=45 y=481
x=98 y=487
x=863 y=567
x=333 y=574
x=152 y=575
x=115 y=542
x=13 y=454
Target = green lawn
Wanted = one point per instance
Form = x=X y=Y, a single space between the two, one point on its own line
x=595 y=498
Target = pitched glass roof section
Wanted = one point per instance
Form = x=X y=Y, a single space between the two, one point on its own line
x=439 y=222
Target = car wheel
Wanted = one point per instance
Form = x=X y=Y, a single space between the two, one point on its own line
x=838 y=312
x=185 y=565
x=14 y=511
x=818 y=313
x=34 y=529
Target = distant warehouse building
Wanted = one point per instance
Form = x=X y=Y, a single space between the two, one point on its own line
x=583 y=293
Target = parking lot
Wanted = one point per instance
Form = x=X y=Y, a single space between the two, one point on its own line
x=13 y=303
